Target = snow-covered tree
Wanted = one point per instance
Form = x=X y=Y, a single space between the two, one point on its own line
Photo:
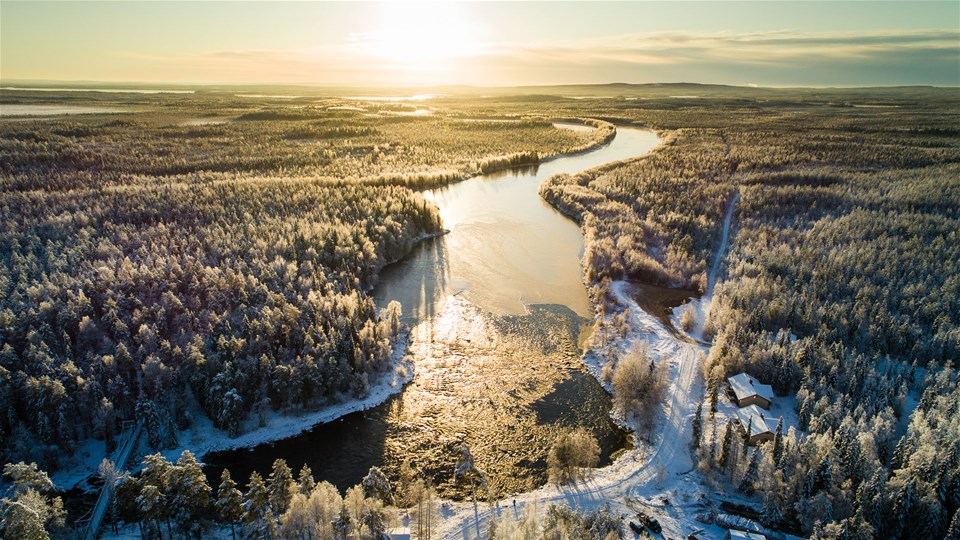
x=151 y=505
x=770 y=514
x=256 y=508
x=697 y=427
x=229 y=502
x=27 y=511
x=281 y=486
x=111 y=479
x=778 y=442
x=752 y=474
x=190 y=492
x=726 y=446
x=305 y=481
x=376 y=485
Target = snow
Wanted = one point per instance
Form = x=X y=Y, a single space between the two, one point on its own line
x=203 y=437
x=745 y=386
x=628 y=484
x=759 y=421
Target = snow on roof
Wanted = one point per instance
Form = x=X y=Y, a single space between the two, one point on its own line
x=761 y=423
x=745 y=386
x=737 y=534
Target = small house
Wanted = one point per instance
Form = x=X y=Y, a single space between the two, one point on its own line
x=745 y=390
x=762 y=428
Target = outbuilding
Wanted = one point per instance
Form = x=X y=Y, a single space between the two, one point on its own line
x=745 y=390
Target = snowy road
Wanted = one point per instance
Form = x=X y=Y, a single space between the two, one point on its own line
x=712 y=278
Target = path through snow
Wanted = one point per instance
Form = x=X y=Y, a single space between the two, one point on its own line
x=712 y=278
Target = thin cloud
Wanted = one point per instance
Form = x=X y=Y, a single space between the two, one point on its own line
x=877 y=58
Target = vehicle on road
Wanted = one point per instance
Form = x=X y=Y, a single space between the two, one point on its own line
x=649 y=522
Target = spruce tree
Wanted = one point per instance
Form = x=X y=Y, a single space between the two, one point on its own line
x=752 y=474
x=770 y=514
x=191 y=492
x=778 y=443
x=306 y=481
x=697 y=427
x=726 y=445
x=746 y=436
x=256 y=507
x=280 y=485
x=229 y=503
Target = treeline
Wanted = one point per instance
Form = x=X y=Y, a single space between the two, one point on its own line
x=144 y=302
x=176 y=141
x=173 y=499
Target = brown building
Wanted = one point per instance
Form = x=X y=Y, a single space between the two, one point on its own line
x=744 y=390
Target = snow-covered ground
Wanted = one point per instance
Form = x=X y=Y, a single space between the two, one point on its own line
x=631 y=483
x=203 y=437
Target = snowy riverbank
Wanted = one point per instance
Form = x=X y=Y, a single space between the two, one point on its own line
x=202 y=437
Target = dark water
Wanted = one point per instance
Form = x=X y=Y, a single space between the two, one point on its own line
x=497 y=309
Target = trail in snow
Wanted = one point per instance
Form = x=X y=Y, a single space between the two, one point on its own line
x=712 y=278
x=631 y=479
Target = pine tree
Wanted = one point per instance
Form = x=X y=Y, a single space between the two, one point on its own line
x=778 y=443
x=281 y=486
x=726 y=445
x=190 y=490
x=157 y=472
x=229 y=503
x=697 y=427
x=750 y=477
x=256 y=508
x=376 y=485
x=904 y=506
x=770 y=514
x=27 y=512
x=150 y=504
x=746 y=436
x=306 y=481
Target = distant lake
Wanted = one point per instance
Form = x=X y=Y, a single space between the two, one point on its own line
x=55 y=110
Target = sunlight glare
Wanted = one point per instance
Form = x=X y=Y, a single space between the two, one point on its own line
x=421 y=34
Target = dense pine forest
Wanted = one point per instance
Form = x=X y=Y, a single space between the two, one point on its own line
x=155 y=268
x=842 y=289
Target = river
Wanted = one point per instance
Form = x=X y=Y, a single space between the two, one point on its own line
x=498 y=313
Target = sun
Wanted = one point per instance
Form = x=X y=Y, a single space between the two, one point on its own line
x=422 y=34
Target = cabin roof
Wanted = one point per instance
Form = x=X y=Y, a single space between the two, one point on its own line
x=745 y=386
x=761 y=422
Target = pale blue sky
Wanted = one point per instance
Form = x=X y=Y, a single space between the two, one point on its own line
x=766 y=43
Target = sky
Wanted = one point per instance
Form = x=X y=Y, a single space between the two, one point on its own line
x=766 y=43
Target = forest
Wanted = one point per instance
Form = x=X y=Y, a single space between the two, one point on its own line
x=155 y=266
x=841 y=289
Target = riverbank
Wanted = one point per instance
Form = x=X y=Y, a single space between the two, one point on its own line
x=202 y=437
